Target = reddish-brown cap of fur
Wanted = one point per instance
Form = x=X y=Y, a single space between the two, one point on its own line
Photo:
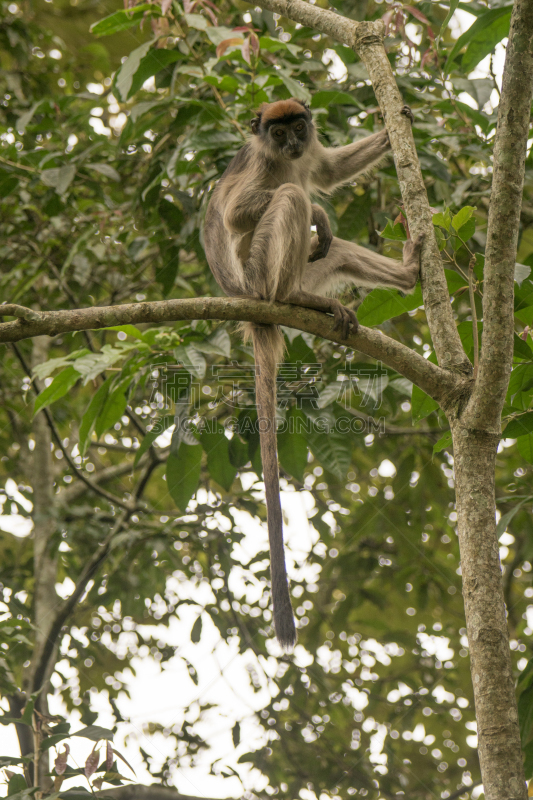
x=280 y=109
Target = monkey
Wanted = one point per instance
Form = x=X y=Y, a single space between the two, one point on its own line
x=257 y=238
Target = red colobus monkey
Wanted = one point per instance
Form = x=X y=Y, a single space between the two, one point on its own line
x=258 y=244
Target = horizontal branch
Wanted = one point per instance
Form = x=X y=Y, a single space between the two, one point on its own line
x=340 y=28
x=433 y=380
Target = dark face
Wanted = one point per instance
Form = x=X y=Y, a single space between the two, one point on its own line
x=289 y=137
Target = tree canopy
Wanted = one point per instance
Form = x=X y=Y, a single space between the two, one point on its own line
x=131 y=451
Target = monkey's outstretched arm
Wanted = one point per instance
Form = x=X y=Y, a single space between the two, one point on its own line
x=244 y=209
x=340 y=164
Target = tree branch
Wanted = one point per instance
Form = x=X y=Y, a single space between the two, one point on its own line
x=153 y=792
x=510 y=146
x=436 y=382
x=366 y=38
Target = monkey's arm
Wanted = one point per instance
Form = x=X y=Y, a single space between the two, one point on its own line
x=341 y=164
x=245 y=208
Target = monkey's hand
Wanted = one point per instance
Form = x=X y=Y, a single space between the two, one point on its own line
x=406 y=111
x=324 y=234
x=344 y=319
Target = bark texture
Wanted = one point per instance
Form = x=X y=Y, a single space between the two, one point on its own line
x=434 y=381
x=510 y=145
x=499 y=748
x=476 y=434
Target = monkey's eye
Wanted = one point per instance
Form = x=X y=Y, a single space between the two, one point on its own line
x=300 y=127
x=279 y=132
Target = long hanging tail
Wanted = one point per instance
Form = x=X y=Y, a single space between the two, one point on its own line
x=268 y=349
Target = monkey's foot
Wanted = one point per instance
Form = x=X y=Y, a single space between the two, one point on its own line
x=344 y=319
x=406 y=111
x=411 y=256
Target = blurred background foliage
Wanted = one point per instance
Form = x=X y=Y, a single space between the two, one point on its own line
x=110 y=142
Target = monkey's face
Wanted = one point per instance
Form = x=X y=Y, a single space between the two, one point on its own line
x=289 y=138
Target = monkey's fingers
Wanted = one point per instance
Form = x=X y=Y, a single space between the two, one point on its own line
x=406 y=111
x=344 y=319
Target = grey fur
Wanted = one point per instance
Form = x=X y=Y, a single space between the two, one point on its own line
x=258 y=244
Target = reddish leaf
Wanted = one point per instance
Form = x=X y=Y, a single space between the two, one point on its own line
x=223 y=46
x=165 y=5
x=60 y=763
x=254 y=42
x=108 y=756
x=91 y=765
x=188 y=6
x=387 y=19
x=418 y=14
x=246 y=51
x=97 y=783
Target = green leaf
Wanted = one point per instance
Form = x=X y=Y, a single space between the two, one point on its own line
x=59 y=387
x=59 y=178
x=421 y=404
x=519 y=426
x=160 y=426
x=462 y=217
x=443 y=219
x=444 y=443
x=94 y=733
x=521 y=380
x=395 y=232
x=216 y=446
x=105 y=169
x=525 y=447
x=481 y=38
x=191 y=359
x=449 y=15
x=521 y=272
x=383 y=304
x=183 y=474
x=125 y=75
x=505 y=519
x=521 y=349
x=17 y=783
x=454 y=280
x=123 y=19
x=196 y=630
x=114 y=407
x=325 y=98
x=89 y=418
x=292 y=444
x=332 y=450
x=528 y=760
x=152 y=63
x=236 y=734
x=8 y=183
x=525 y=713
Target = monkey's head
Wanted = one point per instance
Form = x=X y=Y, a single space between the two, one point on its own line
x=286 y=126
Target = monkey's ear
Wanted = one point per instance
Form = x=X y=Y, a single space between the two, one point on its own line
x=254 y=124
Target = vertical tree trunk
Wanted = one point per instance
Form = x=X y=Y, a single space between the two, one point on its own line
x=499 y=748
x=45 y=598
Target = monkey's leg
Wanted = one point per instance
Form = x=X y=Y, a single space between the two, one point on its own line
x=280 y=245
x=349 y=263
